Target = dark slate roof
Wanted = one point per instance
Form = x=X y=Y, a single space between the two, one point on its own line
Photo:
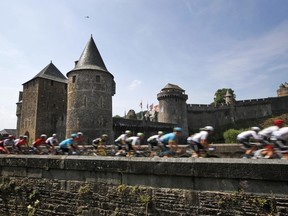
x=8 y=131
x=51 y=72
x=172 y=86
x=90 y=58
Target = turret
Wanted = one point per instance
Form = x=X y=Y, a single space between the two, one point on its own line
x=229 y=98
x=172 y=106
x=90 y=90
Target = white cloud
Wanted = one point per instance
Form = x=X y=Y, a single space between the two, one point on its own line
x=242 y=60
x=135 y=84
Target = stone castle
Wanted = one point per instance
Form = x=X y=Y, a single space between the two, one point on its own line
x=51 y=103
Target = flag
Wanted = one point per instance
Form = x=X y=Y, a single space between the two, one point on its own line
x=151 y=107
x=140 y=104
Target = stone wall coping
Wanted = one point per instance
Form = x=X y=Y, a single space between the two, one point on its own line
x=222 y=168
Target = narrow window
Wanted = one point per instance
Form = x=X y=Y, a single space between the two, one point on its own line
x=97 y=78
x=52 y=83
x=73 y=79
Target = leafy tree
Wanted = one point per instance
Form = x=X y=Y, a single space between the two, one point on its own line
x=219 y=96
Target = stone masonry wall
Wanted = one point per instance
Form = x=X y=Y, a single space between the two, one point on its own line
x=71 y=185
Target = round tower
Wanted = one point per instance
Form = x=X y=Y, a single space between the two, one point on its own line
x=172 y=106
x=89 y=96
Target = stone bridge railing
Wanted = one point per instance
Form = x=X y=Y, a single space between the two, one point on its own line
x=71 y=185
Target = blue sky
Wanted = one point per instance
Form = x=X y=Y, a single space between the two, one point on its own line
x=199 y=45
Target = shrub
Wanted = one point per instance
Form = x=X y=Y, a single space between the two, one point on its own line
x=230 y=136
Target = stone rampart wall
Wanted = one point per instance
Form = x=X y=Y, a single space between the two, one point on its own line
x=78 y=185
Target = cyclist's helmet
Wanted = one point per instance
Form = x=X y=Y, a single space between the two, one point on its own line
x=208 y=128
x=278 y=122
x=255 y=129
x=160 y=132
x=10 y=136
x=104 y=135
x=128 y=132
x=177 y=129
x=140 y=134
x=25 y=137
x=73 y=135
x=43 y=136
x=80 y=133
x=54 y=135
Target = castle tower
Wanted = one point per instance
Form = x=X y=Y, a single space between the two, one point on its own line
x=172 y=106
x=42 y=104
x=229 y=98
x=283 y=90
x=90 y=91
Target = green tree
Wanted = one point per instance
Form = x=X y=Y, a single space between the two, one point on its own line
x=219 y=96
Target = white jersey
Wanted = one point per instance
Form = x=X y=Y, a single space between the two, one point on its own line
x=202 y=135
x=154 y=137
x=121 y=138
x=247 y=135
x=267 y=132
x=134 y=140
x=282 y=133
x=52 y=141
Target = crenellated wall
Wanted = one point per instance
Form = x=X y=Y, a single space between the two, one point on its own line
x=200 y=115
x=71 y=185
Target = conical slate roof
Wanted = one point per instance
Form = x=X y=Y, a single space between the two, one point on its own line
x=51 y=72
x=90 y=58
x=172 y=86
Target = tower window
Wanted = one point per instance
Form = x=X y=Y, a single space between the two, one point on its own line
x=98 y=78
x=73 y=79
x=52 y=83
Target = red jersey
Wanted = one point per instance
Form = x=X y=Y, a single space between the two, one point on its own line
x=22 y=142
x=38 y=142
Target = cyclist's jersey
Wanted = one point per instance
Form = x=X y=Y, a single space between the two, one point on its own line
x=38 y=142
x=9 y=142
x=100 y=141
x=121 y=138
x=281 y=134
x=66 y=143
x=134 y=140
x=202 y=135
x=167 y=138
x=154 y=138
x=79 y=140
x=21 y=142
x=248 y=134
x=51 y=141
x=267 y=132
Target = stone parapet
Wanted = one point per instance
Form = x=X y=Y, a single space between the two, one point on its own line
x=262 y=176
